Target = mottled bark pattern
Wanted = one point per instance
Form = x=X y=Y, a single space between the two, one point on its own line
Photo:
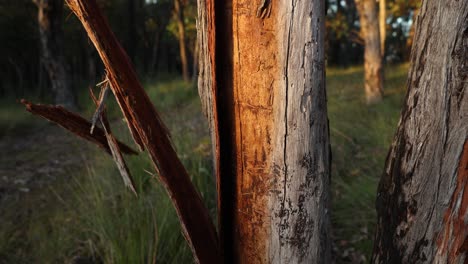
x=373 y=69
x=50 y=14
x=262 y=80
x=422 y=198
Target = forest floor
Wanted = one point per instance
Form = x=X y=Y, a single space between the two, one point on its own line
x=36 y=159
x=62 y=200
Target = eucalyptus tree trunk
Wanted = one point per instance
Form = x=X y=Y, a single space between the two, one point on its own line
x=422 y=199
x=373 y=69
x=179 y=15
x=382 y=25
x=262 y=85
x=50 y=14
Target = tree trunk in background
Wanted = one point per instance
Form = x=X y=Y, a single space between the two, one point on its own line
x=155 y=53
x=179 y=15
x=132 y=30
x=422 y=199
x=373 y=69
x=91 y=71
x=409 y=40
x=262 y=83
x=382 y=26
x=195 y=62
x=52 y=50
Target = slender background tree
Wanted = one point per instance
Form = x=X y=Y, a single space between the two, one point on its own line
x=373 y=68
x=50 y=14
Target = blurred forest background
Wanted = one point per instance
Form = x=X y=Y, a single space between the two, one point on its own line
x=62 y=201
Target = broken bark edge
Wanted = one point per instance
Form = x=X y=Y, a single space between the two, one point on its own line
x=75 y=124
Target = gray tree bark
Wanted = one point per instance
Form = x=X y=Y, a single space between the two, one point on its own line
x=422 y=200
x=262 y=85
x=373 y=69
x=50 y=14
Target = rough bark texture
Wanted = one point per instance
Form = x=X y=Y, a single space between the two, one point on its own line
x=373 y=69
x=179 y=15
x=422 y=199
x=382 y=25
x=149 y=131
x=263 y=89
x=50 y=14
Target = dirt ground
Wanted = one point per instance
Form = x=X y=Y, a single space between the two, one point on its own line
x=34 y=164
x=37 y=158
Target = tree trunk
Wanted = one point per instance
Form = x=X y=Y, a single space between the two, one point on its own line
x=195 y=62
x=52 y=50
x=409 y=40
x=422 y=199
x=382 y=25
x=132 y=30
x=155 y=53
x=179 y=15
x=373 y=70
x=262 y=85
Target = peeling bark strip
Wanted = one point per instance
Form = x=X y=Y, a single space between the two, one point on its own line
x=149 y=132
x=453 y=240
x=75 y=124
x=207 y=89
x=263 y=89
x=113 y=145
x=422 y=196
x=120 y=162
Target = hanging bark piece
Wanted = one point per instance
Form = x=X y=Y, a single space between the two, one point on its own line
x=453 y=239
x=99 y=103
x=75 y=124
x=111 y=140
x=147 y=127
x=120 y=162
